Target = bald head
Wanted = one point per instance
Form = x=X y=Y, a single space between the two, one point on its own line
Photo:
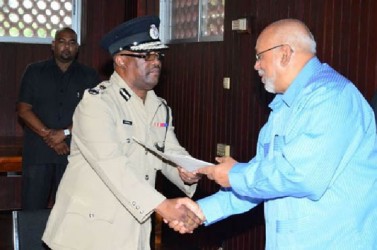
x=59 y=32
x=282 y=49
x=292 y=32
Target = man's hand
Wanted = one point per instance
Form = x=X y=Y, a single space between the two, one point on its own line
x=61 y=148
x=188 y=177
x=219 y=173
x=180 y=214
x=194 y=207
x=54 y=138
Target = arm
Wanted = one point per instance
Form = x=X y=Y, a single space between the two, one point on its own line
x=26 y=99
x=214 y=208
x=25 y=112
x=320 y=141
x=225 y=203
x=57 y=136
x=219 y=173
x=188 y=177
x=305 y=161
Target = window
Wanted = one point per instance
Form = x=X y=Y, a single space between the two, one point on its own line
x=36 y=21
x=192 y=20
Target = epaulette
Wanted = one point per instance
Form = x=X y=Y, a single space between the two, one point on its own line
x=162 y=100
x=97 y=90
x=125 y=94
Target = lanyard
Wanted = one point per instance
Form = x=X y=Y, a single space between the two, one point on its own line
x=161 y=147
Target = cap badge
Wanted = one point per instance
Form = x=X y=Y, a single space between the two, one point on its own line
x=153 y=32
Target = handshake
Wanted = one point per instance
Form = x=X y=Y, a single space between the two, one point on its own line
x=181 y=214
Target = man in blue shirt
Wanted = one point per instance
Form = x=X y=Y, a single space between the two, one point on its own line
x=315 y=168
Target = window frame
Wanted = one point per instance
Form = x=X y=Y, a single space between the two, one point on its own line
x=76 y=26
x=166 y=7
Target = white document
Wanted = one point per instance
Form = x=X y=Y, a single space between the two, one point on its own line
x=187 y=162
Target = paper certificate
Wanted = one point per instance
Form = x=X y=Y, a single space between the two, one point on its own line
x=187 y=162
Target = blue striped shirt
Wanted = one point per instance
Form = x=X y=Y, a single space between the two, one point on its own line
x=315 y=168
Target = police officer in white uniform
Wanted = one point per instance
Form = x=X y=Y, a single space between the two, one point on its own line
x=107 y=193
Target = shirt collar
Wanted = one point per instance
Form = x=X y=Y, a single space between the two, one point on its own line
x=73 y=64
x=119 y=81
x=300 y=82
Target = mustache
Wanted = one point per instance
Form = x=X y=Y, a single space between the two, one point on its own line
x=156 y=67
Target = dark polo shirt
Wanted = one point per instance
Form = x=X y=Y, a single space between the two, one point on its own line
x=54 y=96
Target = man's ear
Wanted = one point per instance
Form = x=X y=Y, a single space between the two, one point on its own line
x=119 y=60
x=286 y=55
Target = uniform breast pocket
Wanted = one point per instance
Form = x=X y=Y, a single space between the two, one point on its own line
x=125 y=134
x=158 y=135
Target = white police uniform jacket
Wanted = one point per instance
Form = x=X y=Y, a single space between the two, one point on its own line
x=107 y=194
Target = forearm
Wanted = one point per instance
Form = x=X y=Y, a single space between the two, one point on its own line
x=31 y=120
x=223 y=204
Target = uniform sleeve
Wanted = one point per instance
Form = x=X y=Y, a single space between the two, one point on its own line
x=94 y=132
x=309 y=157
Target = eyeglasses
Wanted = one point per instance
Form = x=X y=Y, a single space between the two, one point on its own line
x=258 y=56
x=147 y=57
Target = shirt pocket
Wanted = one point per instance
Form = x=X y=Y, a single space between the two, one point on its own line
x=125 y=133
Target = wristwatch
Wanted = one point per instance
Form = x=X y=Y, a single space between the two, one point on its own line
x=67 y=132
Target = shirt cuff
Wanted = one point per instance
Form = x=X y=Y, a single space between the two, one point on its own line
x=210 y=209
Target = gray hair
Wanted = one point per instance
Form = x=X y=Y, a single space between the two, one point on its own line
x=296 y=34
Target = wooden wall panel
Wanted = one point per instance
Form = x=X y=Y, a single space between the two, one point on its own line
x=349 y=41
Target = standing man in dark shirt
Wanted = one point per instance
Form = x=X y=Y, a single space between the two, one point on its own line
x=50 y=91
